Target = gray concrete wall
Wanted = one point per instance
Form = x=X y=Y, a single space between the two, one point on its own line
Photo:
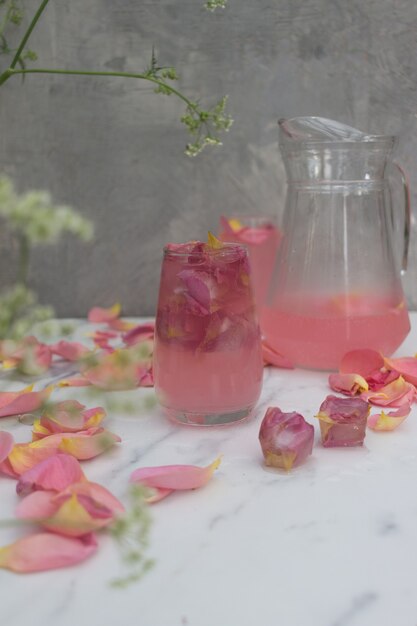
x=114 y=149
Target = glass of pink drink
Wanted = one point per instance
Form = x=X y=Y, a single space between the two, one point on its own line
x=261 y=237
x=207 y=358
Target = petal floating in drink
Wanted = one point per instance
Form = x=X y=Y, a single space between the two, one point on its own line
x=395 y=394
x=389 y=421
x=349 y=384
x=46 y=551
x=167 y=478
x=362 y=362
x=343 y=421
x=286 y=438
x=53 y=474
x=406 y=366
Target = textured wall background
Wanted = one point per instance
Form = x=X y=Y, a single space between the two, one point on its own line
x=114 y=149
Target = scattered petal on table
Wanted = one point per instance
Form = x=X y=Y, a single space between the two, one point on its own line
x=120 y=370
x=98 y=315
x=395 y=394
x=68 y=416
x=69 y=350
x=79 y=509
x=380 y=378
x=139 y=333
x=53 y=474
x=24 y=401
x=28 y=355
x=363 y=362
x=6 y=444
x=87 y=444
x=389 y=421
x=75 y=381
x=349 y=384
x=174 y=477
x=45 y=551
x=24 y=456
x=272 y=357
x=406 y=366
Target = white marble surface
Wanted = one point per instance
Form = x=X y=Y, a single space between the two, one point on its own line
x=333 y=543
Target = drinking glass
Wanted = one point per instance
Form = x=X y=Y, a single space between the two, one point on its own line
x=207 y=358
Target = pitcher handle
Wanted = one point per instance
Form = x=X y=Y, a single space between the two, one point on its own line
x=407 y=216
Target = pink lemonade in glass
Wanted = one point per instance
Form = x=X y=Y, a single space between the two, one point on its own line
x=262 y=238
x=315 y=332
x=207 y=358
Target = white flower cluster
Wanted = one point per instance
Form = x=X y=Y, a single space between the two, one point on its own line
x=34 y=216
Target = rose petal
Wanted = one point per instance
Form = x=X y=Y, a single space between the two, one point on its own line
x=173 y=477
x=87 y=444
x=28 y=355
x=362 y=362
x=79 y=509
x=69 y=350
x=45 y=551
x=75 y=381
x=52 y=474
x=272 y=357
x=406 y=366
x=25 y=401
x=157 y=495
x=6 y=444
x=349 y=384
x=98 y=315
x=66 y=417
x=379 y=379
x=389 y=421
x=139 y=333
x=395 y=394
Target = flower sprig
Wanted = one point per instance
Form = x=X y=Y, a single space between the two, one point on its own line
x=203 y=124
x=12 y=13
x=212 y=5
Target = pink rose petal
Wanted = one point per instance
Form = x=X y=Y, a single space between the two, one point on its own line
x=389 y=421
x=98 y=315
x=46 y=551
x=25 y=401
x=362 y=362
x=139 y=333
x=86 y=444
x=406 y=366
x=68 y=416
x=53 y=474
x=75 y=381
x=272 y=357
x=79 y=509
x=6 y=444
x=69 y=350
x=395 y=394
x=167 y=478
x=349 y=384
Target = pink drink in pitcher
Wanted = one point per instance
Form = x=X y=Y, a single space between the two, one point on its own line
x=314 y=331
x=207 y=358
x=262 y=238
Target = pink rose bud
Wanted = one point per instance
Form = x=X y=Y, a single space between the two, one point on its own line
x=286 y=438
x=343 y=421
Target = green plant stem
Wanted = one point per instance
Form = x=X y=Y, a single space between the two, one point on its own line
x=11 y=72
x=24 y=256
x=28 y=33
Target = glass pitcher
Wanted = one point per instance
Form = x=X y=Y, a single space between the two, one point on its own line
x=336 y=285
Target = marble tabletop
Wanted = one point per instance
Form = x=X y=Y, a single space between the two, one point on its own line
x=333 y=543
